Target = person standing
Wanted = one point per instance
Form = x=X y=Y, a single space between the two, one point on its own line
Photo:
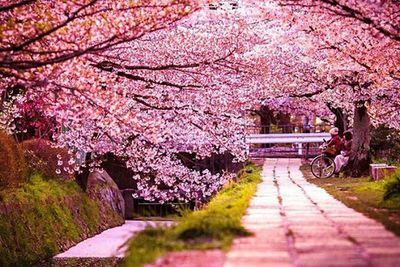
x=306 y=129
x=306 y=125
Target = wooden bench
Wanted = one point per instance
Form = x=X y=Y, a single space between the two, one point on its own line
x=381 y=170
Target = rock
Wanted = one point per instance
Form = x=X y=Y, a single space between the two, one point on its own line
x=101 y=186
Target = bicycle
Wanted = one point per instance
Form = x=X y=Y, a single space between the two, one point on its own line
x=323 y=165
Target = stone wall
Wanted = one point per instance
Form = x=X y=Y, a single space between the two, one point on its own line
x=45 y=217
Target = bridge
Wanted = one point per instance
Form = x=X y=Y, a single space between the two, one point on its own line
x=296 y=139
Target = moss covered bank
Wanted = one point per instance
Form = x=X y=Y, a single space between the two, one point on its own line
x=45 y=217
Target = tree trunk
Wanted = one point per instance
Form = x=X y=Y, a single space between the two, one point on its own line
x=283 y=121
x=360 y=157
x=340 y=119
x=266 y=119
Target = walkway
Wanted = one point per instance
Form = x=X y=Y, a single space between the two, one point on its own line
x=298 y=224
x=110 y=243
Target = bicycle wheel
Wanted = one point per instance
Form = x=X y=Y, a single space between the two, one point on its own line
x=322 y=166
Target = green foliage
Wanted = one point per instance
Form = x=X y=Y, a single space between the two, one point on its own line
x=215 y=226
x=43 y=217
x=385 y=143
x=44 y=158
x=13 y=169
x=392 y=187
x=81 y=262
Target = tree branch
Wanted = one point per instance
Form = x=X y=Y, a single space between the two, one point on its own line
x=15 y=5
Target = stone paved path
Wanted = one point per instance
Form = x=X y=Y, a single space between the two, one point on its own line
x=191 y=258
x=110 y=243
x=296 y=223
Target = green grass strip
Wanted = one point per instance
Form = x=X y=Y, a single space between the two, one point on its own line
x=213 y=227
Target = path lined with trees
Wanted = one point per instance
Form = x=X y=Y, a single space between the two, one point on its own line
x=147 y=81
x=160 y=93
x=296 y=223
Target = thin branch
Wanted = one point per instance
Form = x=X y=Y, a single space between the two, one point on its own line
x=15 y=5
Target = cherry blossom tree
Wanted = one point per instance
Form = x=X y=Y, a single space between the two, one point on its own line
x=148 y=98
x=162 y=95
x=41 y=39
x=57 y=56
x=128 y=78
x=341 y=53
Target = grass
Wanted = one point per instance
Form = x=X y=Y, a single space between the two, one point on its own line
x=364 y=196
x=213 y=227
x=43 y=217
x=81 y=262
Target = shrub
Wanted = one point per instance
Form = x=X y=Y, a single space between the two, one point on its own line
x=13 y=169
x=392 y=187
x=32 y=121
x=52 y=162
x=385 y=143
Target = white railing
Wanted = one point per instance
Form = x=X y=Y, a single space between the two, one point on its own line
x=288 y=138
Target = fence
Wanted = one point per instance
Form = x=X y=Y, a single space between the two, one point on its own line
x=290 y=144
x=287 y=128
